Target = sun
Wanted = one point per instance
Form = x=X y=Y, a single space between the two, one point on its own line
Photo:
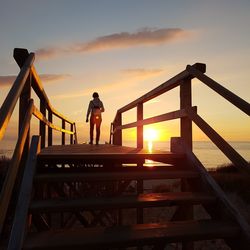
x=150 y=134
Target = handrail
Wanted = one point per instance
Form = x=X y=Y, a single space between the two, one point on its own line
x=164 y=87
x=159 y=118
x=223 y=199
x=10 y=178
x=232 y=154
x=13 y=95
x=227 y=94
x=37 y=86
x=19 y=223
x=42 y=118
x=183 y=80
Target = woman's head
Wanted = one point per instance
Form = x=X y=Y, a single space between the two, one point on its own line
x=95 y=95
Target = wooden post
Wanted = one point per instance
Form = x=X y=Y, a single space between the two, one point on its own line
x=183 y=212
x=117 y=137
x=140 y=128
x=186 y=102
x=71 y=136
x=20 y=56
x=50 y=135
x=63 y=134
x=42 y=125
x=23 y=106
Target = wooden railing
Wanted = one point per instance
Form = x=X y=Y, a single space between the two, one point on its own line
x=187 y=114
x=21 y=89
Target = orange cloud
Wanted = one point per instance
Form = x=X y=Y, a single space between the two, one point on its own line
x=143 y=37
x=47 y=78
x=140 y=72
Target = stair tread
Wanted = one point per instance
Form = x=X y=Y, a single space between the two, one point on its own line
x=141 y=234
x=132 y=174
x=126 y=201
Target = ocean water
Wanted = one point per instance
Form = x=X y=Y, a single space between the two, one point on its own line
x=206 y=151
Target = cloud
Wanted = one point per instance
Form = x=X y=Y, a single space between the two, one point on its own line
x=46 y=78
x=140 y=72
x=143 y=37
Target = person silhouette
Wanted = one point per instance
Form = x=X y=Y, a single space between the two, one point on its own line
x=95 y=109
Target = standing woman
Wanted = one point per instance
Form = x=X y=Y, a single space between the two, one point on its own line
x=95 y=108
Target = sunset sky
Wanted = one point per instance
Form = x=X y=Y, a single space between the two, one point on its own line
x=122 y=49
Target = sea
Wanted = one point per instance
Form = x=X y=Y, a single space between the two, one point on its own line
x=206 y=151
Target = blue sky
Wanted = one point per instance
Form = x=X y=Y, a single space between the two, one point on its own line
x=124 y=48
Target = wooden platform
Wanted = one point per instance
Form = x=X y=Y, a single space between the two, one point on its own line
x=104 y=152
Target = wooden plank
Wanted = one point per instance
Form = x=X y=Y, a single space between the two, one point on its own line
x=132 y=201
x=227 y=94
x=11 y=175
x=130 y=174
x=13 y=95
x=103 y=153
x=231 y=154
x=20 y=218
x=63 y=134
x=159 y=118
x=137 y=235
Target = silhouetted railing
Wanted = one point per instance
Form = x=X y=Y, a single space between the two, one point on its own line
x=21 y=89
x=187 y=114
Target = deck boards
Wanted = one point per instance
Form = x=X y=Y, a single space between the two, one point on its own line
x=104 y=152
x=123 y=236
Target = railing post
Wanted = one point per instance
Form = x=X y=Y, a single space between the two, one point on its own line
x=117 y=137
x=71 y=136
x=140 y=128
x=42 y=127
x=50 y=135
x=20 y=56
x=186 y=102
x=63 y=134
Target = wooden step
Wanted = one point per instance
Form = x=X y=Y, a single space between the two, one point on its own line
x=132 y=174
x=103 y=153
x=132 y=201
x=136 y=235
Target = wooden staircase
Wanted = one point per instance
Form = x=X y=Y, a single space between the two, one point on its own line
x=90 y=208
x=80 y=196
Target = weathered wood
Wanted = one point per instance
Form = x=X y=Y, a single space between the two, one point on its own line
x=227 y=94
x=71 y=136
x=218 y=192
x=159 y=118
x=231 y=154
x=19 y=224
x=164 y=87
x=186 y=103
x=130 y=174
x=137 y=235
x=139 y=127
x=11 y=175
x=63 y=134
x=13 y=95
x=39 y=90
x=140 y=201
x=42 y=118
x=117 y=136
x=42 y=128
x=104 y=152
x=50 y=133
